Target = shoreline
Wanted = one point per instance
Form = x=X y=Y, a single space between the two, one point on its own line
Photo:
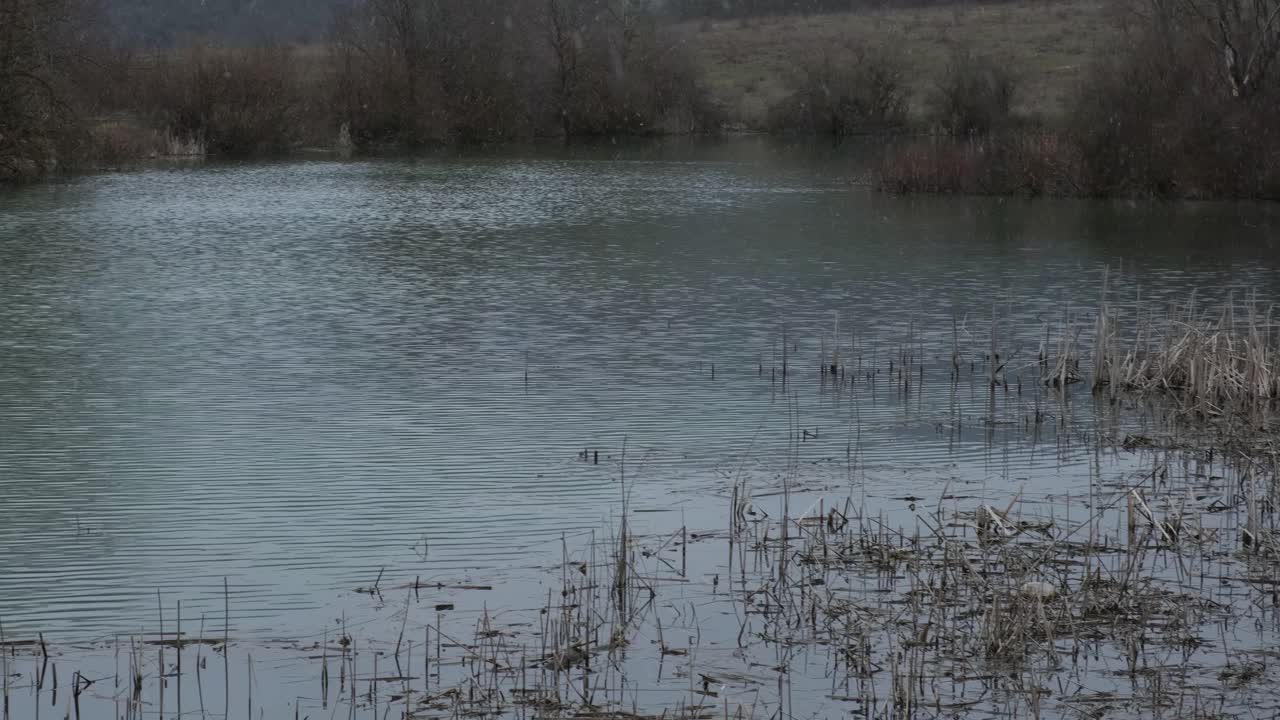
x=1028 y=162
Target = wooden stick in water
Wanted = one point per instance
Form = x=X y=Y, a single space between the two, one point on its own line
x=226 y=648
x=160 y=670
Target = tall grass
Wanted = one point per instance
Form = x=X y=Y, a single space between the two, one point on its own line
x=1212 y=359
x=1030 y=162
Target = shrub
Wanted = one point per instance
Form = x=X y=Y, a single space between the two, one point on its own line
x=852 y=92
x=122 y=141
x=651 y=86
x=1030 y=163
x=973 y=97
x=1156 y=118
x=1162 y=115
x=476 y=72
x=234 y=101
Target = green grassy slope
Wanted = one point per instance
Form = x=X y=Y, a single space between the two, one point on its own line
x=1047 y=44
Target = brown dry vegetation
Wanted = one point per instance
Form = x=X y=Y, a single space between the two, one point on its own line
x=395 y=72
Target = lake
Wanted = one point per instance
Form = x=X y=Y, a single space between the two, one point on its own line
x=301 y=377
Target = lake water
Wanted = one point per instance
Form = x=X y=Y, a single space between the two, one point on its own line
x=295 y=376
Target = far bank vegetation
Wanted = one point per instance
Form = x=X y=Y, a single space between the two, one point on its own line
x=1183 y=106
x=1178 y=102
x=392 y=74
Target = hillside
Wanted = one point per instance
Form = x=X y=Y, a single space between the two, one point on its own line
x=751 y=63
x=168 y=21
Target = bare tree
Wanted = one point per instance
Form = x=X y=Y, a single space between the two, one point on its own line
x=564 y=22
x=383 y=66
x=1245 y=35
x=483 y=70
x=38 y=49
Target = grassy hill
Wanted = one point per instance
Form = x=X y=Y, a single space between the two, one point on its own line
x=750 y=63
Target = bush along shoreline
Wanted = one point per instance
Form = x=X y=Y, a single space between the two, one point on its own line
x=1184 y=108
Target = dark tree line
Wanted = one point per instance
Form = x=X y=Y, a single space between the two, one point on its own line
x=753 y=8
x=384 y=72
x=1185 y=106
x=42 y=44
x=423 y=70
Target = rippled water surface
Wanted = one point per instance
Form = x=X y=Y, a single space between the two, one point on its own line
x=295 y=375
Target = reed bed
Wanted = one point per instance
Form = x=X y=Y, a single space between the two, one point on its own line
x=1151 y=596
x=1214 y=359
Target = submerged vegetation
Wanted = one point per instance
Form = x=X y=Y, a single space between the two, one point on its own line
x=1148 y=593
